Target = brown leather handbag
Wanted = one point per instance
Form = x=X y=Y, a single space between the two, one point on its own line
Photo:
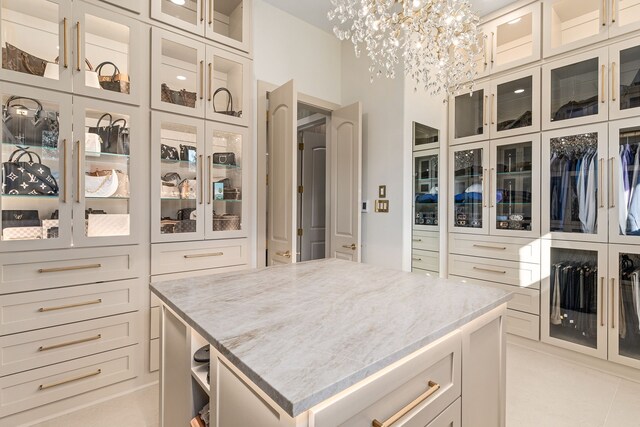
x=178 y=97
x=16 y=59
x=116 y=82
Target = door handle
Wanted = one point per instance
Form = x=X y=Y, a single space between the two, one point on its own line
x=603 y=79
x=601 y=189
x=78 y=167
x=201 y=10
x=484 y=110
x=613 y=305
x=433 y=387
x=210 y=97
x=493 y=202
x=78 y=378
x=201 y=79
x=352 y=246
x=493 y=95
x=604 y=13
x=286 y=254
x=64 y=307
x=499 y=248
x=65 y=43
x=208 y=181
x=484 y=188
x=68 y=343
x=489 y=270
x=602 y=301
x=64 y=171
x=201 y=161
x=492 y=37
x=78 y=32
x=210 y=255
x=210 y=12
x=613 y=80
x=612 y=196
x=613 y=11
x=70 y=268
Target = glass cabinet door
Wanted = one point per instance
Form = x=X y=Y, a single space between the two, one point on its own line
x=470 y=116
x=426 y=183
x=36 y=143
x=515 y=182
x=574 y=296
x=36 y=42
x=226 y=214
x=228 y=22
x=469 y=207
x=569 y=24
x=177 y=170
x=228 y=86
x=425 y=137
x=625 y=79
x=574 y=181
x=178 y=80
x=576 y=89
x=106 y=181
x=515 y=104
x=516 y=38
x=108 y=62
x=188 y=15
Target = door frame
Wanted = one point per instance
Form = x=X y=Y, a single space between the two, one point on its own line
x=264 y=88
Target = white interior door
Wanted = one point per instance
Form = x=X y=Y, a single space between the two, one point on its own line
x=281 y=199
x=313 y=213
x=345 y=152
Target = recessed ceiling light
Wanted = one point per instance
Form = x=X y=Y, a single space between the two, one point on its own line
x=178 y=2
x=181 y=78
x=515 y=21
x=518 y=91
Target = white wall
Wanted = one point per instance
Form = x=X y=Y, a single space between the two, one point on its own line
x=285 y=48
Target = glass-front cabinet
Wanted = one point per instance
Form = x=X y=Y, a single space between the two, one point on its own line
x=469 y=112
x=624 y=63
x=576 y=90
x=574 y=183
x=574 y=296
x=515 y=104
x=468 y=204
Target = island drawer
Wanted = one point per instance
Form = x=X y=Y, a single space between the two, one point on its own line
x=523 y=324
x=41 y=309
x=31 y=271
x=494 y=270
x=425 y=260
x=524 y=299
x=431 y=375
x=169 y=258
x=35 y=349
x=39 y=387
x=505 y=248
x=426 y=241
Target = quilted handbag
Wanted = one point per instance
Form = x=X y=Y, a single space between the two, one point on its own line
x=178 y=97
x=101 y=185
x=108 y=225
x=22 y=233
x=22 y=125
x=117 y=82
x=229 y=108
x=228 y=159
x=31 y=177
x=185 y=226
x=114 y=135
x=226 y=222
x=15 y=59
x=167 y=152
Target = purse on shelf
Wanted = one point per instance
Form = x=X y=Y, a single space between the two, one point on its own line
x=186 y=213
x=20 y=218
x=188 y=189
x=170 y=188
x=90 y=76
x=27 y=178
x=117 y=82
x=105 y=225
x=114 y=136
x=167 y=152
x=227 y=159
x=123 y=181
x=22 y=125
x=16 y=59
x=229 y=108
x=188 y=153
x=178 y=97
x=231 y=193
x=92 y=144
x=226 y=222
x=185 y=226
x=105 y=185
x=90 y=211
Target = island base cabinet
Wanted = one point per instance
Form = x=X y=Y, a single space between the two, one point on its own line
x=450 y=417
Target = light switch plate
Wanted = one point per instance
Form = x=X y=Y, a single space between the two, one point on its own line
x=382 y=206
x=382 y=191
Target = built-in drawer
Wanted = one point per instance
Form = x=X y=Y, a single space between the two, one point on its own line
x=426 y=241
x=523 y=324
x=524 y=299
x=39 y=387
x=41 y=309
x=431 y=376
x=179 y=257
x=505 y=248
x=520 y=274
x=425 y=260
x=29 y=271
x=450 y=417
x=35 y=349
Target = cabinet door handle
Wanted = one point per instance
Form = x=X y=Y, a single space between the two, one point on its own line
x=612 y=197
x=417 y=259
x=484 y=43
x=208 y=181
x=604 y=13
x=210 y=97
x=603 y=79
x=210 y=12
x=78 y=32
x=493 y=95
x=484 y=188
x=78 y=378
x=78 y=167
x=613 y=305
x=286 y=254
x=499 y=248
x=613 y=11
x=602 y=301
x=64 y=171
x=201 y=79
x=433 y=387
x=613 y=80
x=71 y=268
x=68 y=343
x=492 y=36
x=201 y=160
x=417 y=240
x=64 y=307
x=489 y=270
x=209 y=255
x=484 y=110
x=492 y=199
x=201 y=10
x=65 y=43
x=601 y=189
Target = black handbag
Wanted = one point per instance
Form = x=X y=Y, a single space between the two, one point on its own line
x=31 y=178
x=168 y=152
x=115 y=137
x=117 y=82
x=185 y=213
x=22 y=125
x=188 y=153
x=20 y=218
x=229 y=111
x=228 y=159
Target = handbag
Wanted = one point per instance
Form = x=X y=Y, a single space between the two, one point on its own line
x=186 y=213
x=178 y=97
x=226 y=222
x=92 y=144
x=188 y=189
x=91 y=211
x=117 y=82
x=123 y=181
x=32 y=177
x=167 y=152
x=172 y=178
x=188 y=153
x=185 y=226
x=101 y=185
x=22 y=125
x=20 y=218
x=15 y=59
x=170 y=186
x=108 y=225
x=229 y=108
x=228 y=159
x=231 y=194
x=115 y=137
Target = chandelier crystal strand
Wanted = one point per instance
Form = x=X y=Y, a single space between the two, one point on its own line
x=438 y=42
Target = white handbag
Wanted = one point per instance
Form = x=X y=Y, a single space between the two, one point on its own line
x=108 y=225
x=22 y=233
x=188 y=189
x=92 y=144
x=101 y=186
x=169 y=191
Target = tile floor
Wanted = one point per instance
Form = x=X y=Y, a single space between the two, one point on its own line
x=542 y=391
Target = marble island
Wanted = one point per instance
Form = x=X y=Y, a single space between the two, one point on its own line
x=304 y=339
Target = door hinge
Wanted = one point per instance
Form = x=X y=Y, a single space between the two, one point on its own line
x=301 y=146
x=300 y=189
x=300 y=232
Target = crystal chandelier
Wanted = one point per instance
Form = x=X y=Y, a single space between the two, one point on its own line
x=438 y=41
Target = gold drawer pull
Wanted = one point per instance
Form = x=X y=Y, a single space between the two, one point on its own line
x=70 y=380
x=352 y=246
x=286 y=254
x=433 y=387
x=72 y=268
x=489 y=270
x=204 y=255
x=68 y=343
x=63 y=307
x=499 y=248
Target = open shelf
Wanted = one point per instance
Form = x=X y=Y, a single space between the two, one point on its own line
x=199 y=373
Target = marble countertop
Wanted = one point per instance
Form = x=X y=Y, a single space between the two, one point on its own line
x=307 y=331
